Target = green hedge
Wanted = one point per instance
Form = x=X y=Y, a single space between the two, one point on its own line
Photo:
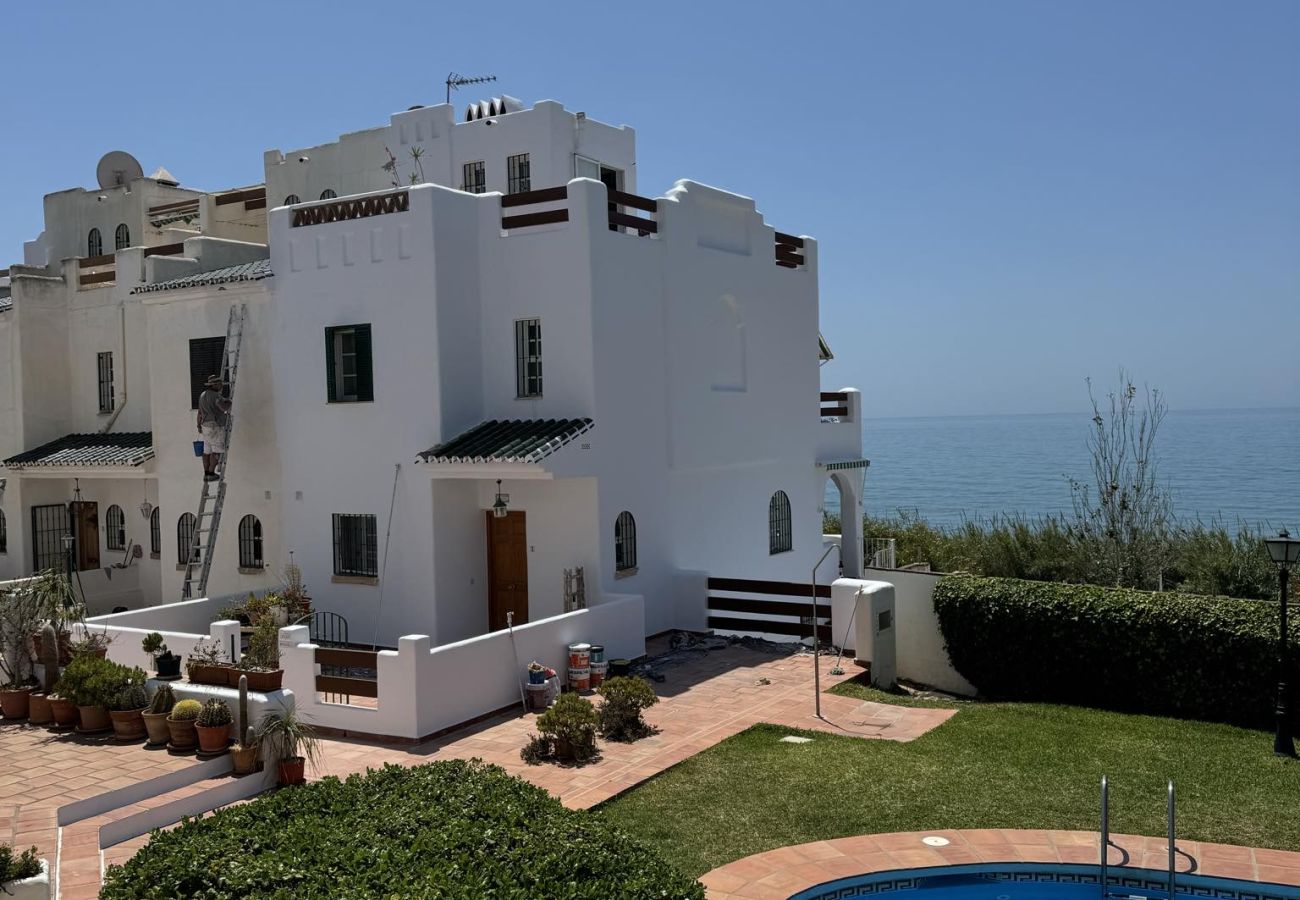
x=452 y=829
x=1165 y=654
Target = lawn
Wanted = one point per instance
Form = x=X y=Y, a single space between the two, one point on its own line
x=1003 y=765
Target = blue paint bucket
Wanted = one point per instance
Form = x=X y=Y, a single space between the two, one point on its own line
x=198 y=448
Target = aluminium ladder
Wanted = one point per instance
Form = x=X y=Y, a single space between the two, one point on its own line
x=204 y=539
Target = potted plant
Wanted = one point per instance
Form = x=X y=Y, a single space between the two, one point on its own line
x=88 y=683
x=126 y=709
x=213 y=726
x=570 y=725
x=180 y=725
x=40 y=711
x=207 y=663
x=244 y=755
x=155 y=717
x=23 y=876
x=165 y=663
x=61 y=609
x=95 y=643
x=20 y=614
x=292 y=743
x=536 y=673
x=260 y=664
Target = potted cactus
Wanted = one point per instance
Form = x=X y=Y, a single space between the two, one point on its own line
x=165 y=663
x=155 y=717
x=245 y=754
x=292 y=743
x=213 y=726
x=126 y=709
x=181 y=723
x=39 y=710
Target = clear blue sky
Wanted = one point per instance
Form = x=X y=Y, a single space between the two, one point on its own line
x=1009 y=195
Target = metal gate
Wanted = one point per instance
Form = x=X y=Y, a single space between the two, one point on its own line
x=50 y=525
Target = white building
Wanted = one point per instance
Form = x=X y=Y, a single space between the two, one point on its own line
x=439 y=312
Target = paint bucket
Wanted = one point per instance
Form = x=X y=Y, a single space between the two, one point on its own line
x=580 y=679
x=598 y=670
x=198 y=448
x=537 y=676
x=597 y=653
x=619 y=667
x=579 y=656
x=537 y=697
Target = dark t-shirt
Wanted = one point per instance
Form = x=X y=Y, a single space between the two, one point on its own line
x=212 y=412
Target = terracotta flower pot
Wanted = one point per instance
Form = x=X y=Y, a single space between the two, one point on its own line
x=15 y=704
x=214 y=675
x=292 y=770
x=94 y=720
x=213 y=739
x=63 y=711
x=155 y=725
x=263 y=682
x=128 y=724
x=38 y=709
x=181 y=734
x=245 y=759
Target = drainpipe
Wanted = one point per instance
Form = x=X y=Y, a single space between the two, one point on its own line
x=118 y=409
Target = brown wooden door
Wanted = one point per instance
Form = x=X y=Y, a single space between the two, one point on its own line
x=85 y=517
x=507 y=569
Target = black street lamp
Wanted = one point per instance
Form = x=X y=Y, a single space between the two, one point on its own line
x=1285 y=552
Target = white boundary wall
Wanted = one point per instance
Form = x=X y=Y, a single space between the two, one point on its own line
x=182 y=625
x=921 y=653
x=424 y=689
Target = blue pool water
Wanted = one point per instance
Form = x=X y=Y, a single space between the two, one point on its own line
x=1002 y=881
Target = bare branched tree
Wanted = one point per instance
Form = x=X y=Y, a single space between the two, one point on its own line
x=1124 y=516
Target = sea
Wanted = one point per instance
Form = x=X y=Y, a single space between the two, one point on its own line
x=1233 y=466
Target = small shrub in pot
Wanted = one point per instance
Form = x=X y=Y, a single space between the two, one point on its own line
x=16 y=867
x=292 y=743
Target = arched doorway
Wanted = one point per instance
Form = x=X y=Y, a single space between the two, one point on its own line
x=848 y=485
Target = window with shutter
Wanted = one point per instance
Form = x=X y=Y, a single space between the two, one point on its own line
x=207 y=358
x=349 y=364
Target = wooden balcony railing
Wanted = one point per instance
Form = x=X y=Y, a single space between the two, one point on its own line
x=175 y=208
x=533 y=198
x=165 y=250
x=619 y=219
x=90 y=279
x=347 y=672
x=796 y=612
x=358 y=208
x=252 y=198
x=789 y=251
x=834 y=404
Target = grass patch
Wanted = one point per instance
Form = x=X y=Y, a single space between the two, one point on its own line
x=996 y=765
x=860 y=689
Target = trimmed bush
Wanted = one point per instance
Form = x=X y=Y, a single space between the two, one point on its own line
x=455 y=829
x=1164 y=654
x=570 y=725
x=620 y=715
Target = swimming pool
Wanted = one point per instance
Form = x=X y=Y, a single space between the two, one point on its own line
x=1029 y=881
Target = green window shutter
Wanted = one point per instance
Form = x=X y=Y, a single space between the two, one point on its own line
x=330 y=395
x=365 y=364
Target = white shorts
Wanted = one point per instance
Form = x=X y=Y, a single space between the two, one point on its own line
x=214 y=439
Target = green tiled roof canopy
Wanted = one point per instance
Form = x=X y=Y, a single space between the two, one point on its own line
x=129 y=448
x=510 y=441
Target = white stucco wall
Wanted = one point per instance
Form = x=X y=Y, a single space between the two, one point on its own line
x=921 y=654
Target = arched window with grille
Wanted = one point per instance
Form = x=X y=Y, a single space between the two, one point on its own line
x=250 y=543
x=155 y=532
x=291 y=200
x=122 y=239
x=115 y=525
x=779 y=528
x=328 y=194
x=94 y=243
x=4 y=534
x=625 y=543
x=184 y=537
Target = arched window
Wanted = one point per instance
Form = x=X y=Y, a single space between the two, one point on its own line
x=115 y=524
x=184 y=538
x=4 y=534
x=155 y=532
x=291 y=200
x=328 y=194
x=94 y=243
x=122 y=239
x=624 y=542
x=250 y=543
x=779 y=538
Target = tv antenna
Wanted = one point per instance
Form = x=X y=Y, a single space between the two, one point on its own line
x=455 y=80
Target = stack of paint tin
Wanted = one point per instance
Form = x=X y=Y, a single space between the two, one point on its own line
x=598 y=666
x=580 y=667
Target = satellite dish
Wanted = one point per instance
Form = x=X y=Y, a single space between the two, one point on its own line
x=117 y=168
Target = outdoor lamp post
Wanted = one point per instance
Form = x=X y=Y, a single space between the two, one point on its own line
x=68 y=542
x=1285 y=551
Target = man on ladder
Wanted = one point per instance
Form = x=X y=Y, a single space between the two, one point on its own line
x=212 y=425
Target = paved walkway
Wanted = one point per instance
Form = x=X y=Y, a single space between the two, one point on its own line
x=709 y=697
x=777 y=874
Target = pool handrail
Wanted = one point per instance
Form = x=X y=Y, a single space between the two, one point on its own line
x=1105 y=832
x=1172 y=843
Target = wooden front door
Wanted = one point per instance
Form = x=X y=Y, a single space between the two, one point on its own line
x=85 y=519
x=507 y=569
